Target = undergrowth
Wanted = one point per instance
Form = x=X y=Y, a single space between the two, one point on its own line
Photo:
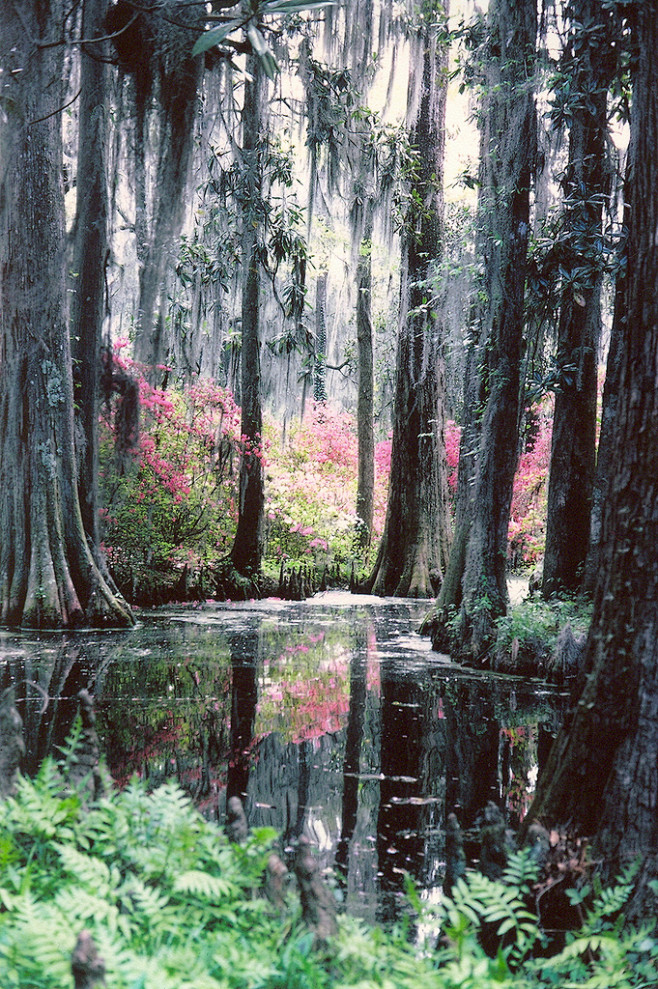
x=536 y=623
x=171 y=904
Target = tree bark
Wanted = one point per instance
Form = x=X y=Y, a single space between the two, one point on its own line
x=573 y=449
x=605 y=457
x=320 y=368
x=179 y=80
x=365 y=493
x=601 y=775
x=48 y=577
x=90 y=258
x=450 y=595
x=510 y=132
x=247 y=550
x=413 y=553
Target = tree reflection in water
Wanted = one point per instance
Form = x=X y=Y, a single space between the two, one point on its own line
x=329 y=717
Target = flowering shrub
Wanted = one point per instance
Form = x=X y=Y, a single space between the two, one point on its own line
x=453 y=435
x=171 y=500
x=527 y=528
x=311 y=488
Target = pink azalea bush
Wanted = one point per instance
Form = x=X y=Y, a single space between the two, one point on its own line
x=311 y=487
x=527 y=528
x=170 y=501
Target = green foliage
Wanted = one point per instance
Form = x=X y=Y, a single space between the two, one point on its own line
x=537 y=622
x=311 y=491
x=251 y=23
x=173 y=503
x=171 y=904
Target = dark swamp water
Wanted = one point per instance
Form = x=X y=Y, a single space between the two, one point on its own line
x=330 y=717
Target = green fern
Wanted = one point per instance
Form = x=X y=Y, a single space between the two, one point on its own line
x=201 y=884
x=171 y=904
x=478 y=900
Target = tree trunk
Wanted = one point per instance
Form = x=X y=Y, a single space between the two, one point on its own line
x=91 y=252
x=573 y=450
x=353 y=743
x=510 y=130
x=180 y=77
x=247 y=550
x=414 y=550
x=605 y=459
x=601 y=775
x=450 y=595
x=320 y=369
x=48 y=577
x=365 y=494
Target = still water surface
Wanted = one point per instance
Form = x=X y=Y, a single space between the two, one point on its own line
x=331 y=717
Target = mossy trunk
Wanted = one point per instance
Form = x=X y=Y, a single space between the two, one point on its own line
x=178 y=80
x=247 y=551
x=90 y=259
x=48 y=576
x=365 y=493
x=413 y=553
x=601 y=775
x=507 y=167
x=573 y=449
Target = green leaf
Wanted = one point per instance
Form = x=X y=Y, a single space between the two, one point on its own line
x=261 y=48
x=201 y=884
x=295 y=6
x=215 y=36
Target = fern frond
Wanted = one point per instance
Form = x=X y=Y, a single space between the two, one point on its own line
x=39 y=941
x=82 y=908
x=521 y=871
x=201 y=884
x=148 y=901
x=85 y=869
x=584 y=945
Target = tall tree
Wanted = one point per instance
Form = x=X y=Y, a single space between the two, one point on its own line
x=509 y=141
x=601 y=775
x=247 y=550
x=90 y=256
x=365 y=408
x=413 y=553
x=154 y=45
x=48 y=576
x=581 y=99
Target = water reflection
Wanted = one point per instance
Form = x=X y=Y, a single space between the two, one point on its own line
x=329 y=717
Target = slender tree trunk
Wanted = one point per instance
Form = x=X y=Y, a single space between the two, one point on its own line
x=320 y=370
x=353 y=743
x=507 y=170
x=177 y=94
x=365 y=494
x=91 y=252
x=414 y=550
x=573 y=450
x=48 y=577
x=247 y=551
x=450 y=595
x=601 y=775
x=605 y=460
x=606 y=453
